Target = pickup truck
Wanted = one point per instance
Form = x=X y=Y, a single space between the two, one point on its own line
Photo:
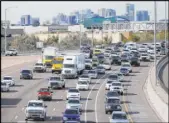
x=45 y=93
x=39 y=67
x=56 y=82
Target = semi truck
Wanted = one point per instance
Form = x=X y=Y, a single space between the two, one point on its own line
x=57 y=64
x=48 y=54
x=73 y=65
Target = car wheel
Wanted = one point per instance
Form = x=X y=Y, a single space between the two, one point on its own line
x=121 y=93
x=43 y=119
x=106 y=112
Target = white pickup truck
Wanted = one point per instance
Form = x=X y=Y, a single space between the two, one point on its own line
x=39 y=67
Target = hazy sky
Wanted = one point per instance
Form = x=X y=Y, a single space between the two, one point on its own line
x=46 y=10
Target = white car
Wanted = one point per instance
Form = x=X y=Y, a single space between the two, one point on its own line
x=12 y=52
x=85 y=77
x=127 y=65
x=118 y=117
x=120 y=76
x=5 y=87
x=113 y=77
x=88 y=63
x=108 y=84
x=74 y=104
x=144 y=56
x=107 y=64
x=9 y=80
x=107 y=53
x=35 y=109
x=92 y=74
x=117 y=86
x=73 y=93
x=82 y=85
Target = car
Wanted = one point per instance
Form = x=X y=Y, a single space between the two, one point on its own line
x=11 y=52
x=74 y=104
x=35 y=109
x=55 y=82
x=107 y=64
x=88 y=64
x=97 y=51
x=111 y=103
x=5 y=87
x=115 y=59
x=142 y=48
x=9 y=80
x=85 y=77
x=39 y=67
x=133 y=49
x=101 y=58
x=73 y=93
x=107 y=53
x=82 y=85
x=100 y=70
x=45 y=94
x=87 y=53
x=135 y=61
x=71 y=114
x=144 y=56
x=93 y=74
x=124 y=71
x=111 y=94
x=120 y=76
x=128 y=66
x=113 y=77
x=108 y=84
x=124 y=57
x=85 y=72
x=119 y=117
x=26 y=74
x=117 y=86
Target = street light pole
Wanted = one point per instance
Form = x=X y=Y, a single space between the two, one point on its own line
x=155 y=21
x=6 y=25
x=166 y=27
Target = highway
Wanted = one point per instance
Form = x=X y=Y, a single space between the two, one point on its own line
x=133 y=101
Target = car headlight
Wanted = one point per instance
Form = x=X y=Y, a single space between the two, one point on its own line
x=108 y=107
x=64 y=118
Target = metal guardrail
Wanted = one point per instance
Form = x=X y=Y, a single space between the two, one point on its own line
x=160 y=67
x=25 y=53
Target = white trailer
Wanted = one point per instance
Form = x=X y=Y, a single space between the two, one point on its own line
x=73 y=65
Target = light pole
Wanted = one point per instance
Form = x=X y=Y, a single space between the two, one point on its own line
x=166 y=27
x=155 y=21
x=6 y=23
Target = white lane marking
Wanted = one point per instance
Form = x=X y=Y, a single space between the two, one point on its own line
x=54 y=109
x=89 y=96
x=57 y=102
x=96 y=101
x=16 y=117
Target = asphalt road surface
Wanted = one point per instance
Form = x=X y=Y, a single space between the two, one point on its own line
x=165 y=75
x=133 y=101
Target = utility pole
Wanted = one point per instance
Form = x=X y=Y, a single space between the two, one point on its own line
x=92 y=38
x=166 y=27
x=155 y=21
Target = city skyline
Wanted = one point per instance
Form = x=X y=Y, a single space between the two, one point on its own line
x=53 y=8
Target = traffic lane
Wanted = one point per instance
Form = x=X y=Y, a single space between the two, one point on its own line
x=139 y=109
x=28 y=93
x=165 y=76
x=91 y=110
x=58 y=104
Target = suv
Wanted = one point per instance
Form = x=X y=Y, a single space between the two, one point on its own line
x=39 y=67
x=111 y=104
x=56 y=82
x=135 y=61
x=74 y=104
x=26 y=74
x=45 y=93
x=36 y=109
x=12 y=52
x=117 y=86
x=73 y=94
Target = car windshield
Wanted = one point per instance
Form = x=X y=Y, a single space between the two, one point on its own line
x=84 y=76
x=74 y=101
x=26 y=71
x=3 y=83
x=113 y=77
x=119 y=116
x=107 y=51
x=69 y=65
x=125 y=65
x=116 y=84
x=54 y=78
x=49 y=57
x=109 y=82
x=44 y=89
x=94 y=60
x=35 y=104
x=100 y=57
x=112 y=93
x=92 y=71
x=100 y=67
x=82 y=82
x=113 y=101
x=107 y=62
x=88 y=61
x=73 y=90
x=144 y=54
x=97 y=50
x=69 y=111
x=39 y=64
x=7 y=78
x=57 y=61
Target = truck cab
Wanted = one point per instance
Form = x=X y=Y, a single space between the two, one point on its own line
x=57 y=64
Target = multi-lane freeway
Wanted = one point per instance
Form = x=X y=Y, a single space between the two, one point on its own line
x=133 y=101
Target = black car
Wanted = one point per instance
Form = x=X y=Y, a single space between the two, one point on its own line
x=135 y=61
x=112 y=94
x=116 y=60
x=26 y=74
x=112 y=104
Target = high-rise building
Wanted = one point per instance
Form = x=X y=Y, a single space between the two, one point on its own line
x=35 y=21
x=25 y=20
x=110 y=13
x=130 y=11
x=72 y=19
x=102 y=12
x=61 y=18
x=142 y=15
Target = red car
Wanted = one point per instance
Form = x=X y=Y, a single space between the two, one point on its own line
x=45 y=94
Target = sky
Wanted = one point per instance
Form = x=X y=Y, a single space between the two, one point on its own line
x=47 y=10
